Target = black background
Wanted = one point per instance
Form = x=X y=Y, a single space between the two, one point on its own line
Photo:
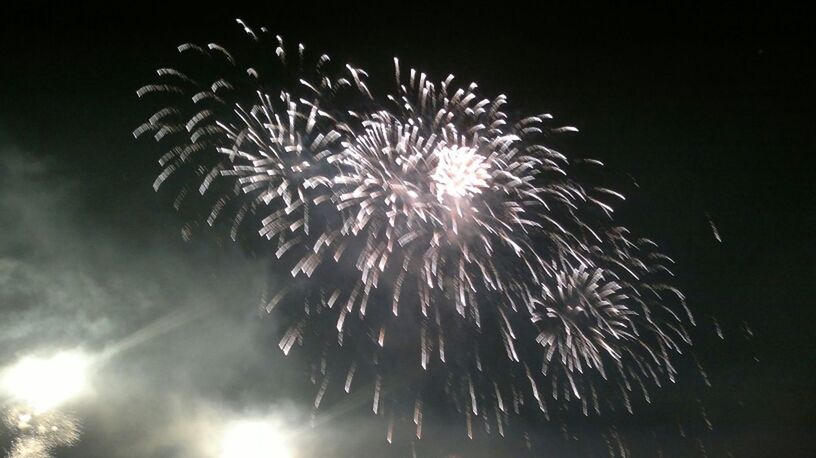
x=708 y=109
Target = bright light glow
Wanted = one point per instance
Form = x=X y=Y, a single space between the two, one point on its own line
x=254 y=439
x=45 y=383
x=459 y=172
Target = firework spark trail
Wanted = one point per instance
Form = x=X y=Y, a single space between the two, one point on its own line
x=714 y=229
x=447 y=236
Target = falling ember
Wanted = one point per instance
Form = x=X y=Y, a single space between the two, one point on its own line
x=377 y=386
x=350 y=377
x=714 y=228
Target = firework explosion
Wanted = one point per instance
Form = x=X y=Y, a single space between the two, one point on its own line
x=37 y=434
x=450 y=241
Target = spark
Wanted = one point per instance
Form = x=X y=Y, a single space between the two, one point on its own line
x=714 y=228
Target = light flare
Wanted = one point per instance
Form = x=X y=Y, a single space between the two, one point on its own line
x=44 y=383
x=254 y=438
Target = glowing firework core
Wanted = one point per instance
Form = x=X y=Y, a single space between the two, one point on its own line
x=460 y=172
x=45 y=383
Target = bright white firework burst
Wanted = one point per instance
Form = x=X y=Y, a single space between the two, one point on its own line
x=521 y=279
x=460 y=173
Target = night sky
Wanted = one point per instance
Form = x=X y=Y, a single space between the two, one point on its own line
x=709 y=111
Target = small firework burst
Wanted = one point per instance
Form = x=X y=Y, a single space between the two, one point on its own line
x=218 y=121
x=453 y=242
x=595 y=324
x=37 y=434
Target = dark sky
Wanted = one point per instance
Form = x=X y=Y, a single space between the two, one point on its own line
x=709 y=110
